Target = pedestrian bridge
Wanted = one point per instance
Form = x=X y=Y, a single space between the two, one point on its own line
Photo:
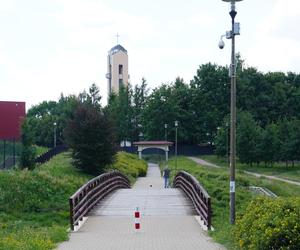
x=169 y=220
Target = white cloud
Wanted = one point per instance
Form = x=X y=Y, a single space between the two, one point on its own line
x=7 y=6
x=91 y=22
x=53 y=46
x=276 y=43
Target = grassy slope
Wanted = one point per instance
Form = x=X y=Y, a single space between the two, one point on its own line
x=130 y=165
x=279 y=170
x=216 y=182
x=34 y=205
x=40 y=150
x=34 y=212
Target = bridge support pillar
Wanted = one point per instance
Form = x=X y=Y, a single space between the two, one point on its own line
x=140 y=155
x=167 y=156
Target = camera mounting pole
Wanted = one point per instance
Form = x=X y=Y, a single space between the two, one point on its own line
x=235 y=30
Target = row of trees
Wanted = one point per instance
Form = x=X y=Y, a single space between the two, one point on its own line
x=255 y=144
x=81 y=123
x=201 y=107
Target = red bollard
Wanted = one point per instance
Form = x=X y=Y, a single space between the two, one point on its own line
x=137 y=217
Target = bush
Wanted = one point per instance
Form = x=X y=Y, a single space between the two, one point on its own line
x=130 y=165
x=269 y=224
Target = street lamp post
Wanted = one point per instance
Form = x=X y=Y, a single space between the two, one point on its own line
x=140 y=132
x=54 y=134
x=166 y=136
x=235 y=30
x=176 y=127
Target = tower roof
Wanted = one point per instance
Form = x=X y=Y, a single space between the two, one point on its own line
x=117 y=48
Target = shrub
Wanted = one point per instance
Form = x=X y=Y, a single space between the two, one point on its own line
x=269 y=224
x=130 y=165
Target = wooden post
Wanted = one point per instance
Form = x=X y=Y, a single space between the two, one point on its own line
x=71 y=214
x=209 y=214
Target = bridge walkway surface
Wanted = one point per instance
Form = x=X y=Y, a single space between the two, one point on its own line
x=167 y=220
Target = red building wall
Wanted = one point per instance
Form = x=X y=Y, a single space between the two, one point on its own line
x=11 y=116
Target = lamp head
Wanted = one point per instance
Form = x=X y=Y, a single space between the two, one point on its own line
x=176 y=123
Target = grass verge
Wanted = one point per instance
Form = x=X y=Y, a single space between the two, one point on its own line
x=216 y=182
x=278 y=170
x=34 y=209
x=40 y=150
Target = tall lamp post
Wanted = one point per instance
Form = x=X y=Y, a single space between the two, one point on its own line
x=166 y=136
x=176 y=127
x=235 y=30
x=54 y=134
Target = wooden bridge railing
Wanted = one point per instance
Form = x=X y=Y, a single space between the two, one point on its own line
x=92 y=192
x=197 y=194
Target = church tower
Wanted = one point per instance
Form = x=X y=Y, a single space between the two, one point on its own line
x=117 y=68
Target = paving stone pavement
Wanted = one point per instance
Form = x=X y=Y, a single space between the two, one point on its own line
x=167 y=221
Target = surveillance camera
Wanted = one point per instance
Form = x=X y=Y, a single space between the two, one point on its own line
x=221 y=44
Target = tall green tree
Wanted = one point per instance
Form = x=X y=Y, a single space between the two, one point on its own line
x=91 y=136
x=222 y=141
x=161 y=108
x=28 y=153
x=210 y=100
x=248 y=135
x=269 y=144
x=139 y=99
x=119 y=108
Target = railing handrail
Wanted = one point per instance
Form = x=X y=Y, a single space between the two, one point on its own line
x=199 y=196
x=50 y=153
x=87 y=196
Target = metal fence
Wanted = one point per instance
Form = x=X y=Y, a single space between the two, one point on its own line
x=51 y=153
x=10 y=151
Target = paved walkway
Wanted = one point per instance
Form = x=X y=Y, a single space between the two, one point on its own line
x=167 y=221
x=203 y=162
x=206 y=163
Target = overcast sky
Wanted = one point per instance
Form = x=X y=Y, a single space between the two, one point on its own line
x=48 y=47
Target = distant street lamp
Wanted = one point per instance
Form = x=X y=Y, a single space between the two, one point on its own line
x=176 y=127
x=140 y=132
x=235 y=30
x=166 y=136
x=54 y=134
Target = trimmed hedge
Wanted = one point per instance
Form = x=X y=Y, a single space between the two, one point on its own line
x=269 y=224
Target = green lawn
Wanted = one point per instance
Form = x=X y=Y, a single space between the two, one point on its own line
x=40 y=150
x=216 y=182
x=34 y=209
x=279 y=170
